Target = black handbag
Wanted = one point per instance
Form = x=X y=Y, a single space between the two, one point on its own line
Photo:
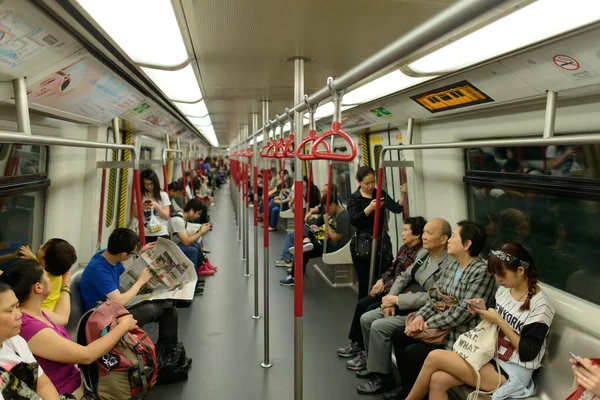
x=361 y=244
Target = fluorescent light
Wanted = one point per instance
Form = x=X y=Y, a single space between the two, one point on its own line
x=380 y=87
x=542 y=19
x=200 y=121
x=146 y=30
x=326 y=110
x=209 y=133
x=179 y=85
x=193 y=110
x=260 y=138
x=251 y=142
x=286 y=127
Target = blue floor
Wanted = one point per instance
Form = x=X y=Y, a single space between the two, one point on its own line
x=226 y=344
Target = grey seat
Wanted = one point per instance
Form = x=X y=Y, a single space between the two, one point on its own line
x=76 y=304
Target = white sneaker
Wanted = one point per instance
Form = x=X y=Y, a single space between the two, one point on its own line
x=307 y=246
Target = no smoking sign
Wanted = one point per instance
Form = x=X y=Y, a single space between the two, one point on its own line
x=566 y=62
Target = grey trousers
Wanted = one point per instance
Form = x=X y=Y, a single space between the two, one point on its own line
x=377 y=332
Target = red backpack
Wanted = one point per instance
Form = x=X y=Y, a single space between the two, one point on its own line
x=130 y=367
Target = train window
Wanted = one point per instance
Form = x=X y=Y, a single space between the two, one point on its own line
x=341 y=177
x=21 y=223
x=555 y=216
x=22 y=159
x=568 y=161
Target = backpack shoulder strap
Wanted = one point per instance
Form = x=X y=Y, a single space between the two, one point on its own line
x=178 y=215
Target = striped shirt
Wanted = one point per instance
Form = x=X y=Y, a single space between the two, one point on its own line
x=531 y=325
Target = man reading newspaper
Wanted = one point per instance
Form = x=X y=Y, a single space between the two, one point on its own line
x=159 y=276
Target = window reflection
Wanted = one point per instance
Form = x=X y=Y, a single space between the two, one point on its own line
x=21 y=159
x=567 y=161
x=550 y=208
x=341 y=178
x=21 y=224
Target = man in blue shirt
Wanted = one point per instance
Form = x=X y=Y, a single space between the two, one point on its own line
x=100 y=281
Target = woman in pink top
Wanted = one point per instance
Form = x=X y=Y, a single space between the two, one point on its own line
x=50 y=343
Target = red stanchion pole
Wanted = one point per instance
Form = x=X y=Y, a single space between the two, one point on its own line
x=138 y=200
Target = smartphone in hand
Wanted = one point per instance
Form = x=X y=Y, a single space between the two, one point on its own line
x=574 y=357
x=474 y=305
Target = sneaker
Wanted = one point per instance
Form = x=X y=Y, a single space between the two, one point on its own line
x=199 y=290
x=289 y=270
x=307 y=246
x=357 y=363
x=289 y=281
x=282 y=262
x=349 y=351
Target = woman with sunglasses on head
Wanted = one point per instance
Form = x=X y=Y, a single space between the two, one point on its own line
x=523 y=315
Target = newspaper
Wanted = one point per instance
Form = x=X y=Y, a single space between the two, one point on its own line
x=173 y=275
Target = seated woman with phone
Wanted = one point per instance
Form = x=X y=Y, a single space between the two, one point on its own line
x=586 y=382
x=523 y=314
x=314 y=236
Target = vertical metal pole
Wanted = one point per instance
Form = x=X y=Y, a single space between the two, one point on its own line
x=266 y=362
x=239 y=194
x=376 y=224
x=550 y=114
x=164 y=167
x=255 y=198
x=20 y=89
x=246 y=224
x=298 y=233
x=409 y=130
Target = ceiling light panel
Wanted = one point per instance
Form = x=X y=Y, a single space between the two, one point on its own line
x=393 y=82
x=209 y=133
x=536 y=22
x=180 y=85
x=193 y=110
x=200 y=121
x=151 y=37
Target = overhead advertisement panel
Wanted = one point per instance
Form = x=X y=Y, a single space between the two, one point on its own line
x=153 y=116
x=457 y=95
x=85 y=88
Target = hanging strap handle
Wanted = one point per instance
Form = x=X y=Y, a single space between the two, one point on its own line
x=336 y=131
x=312 y=133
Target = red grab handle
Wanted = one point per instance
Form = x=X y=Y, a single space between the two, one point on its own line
x=312 y=136
x=336 y=130
x=278 y=151
x=271 y=150
x=263 y=151
x=249 y=152
x=288 y=148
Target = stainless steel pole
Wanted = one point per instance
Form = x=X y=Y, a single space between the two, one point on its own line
x=20 y=89
x=550 y=114
x=266 y=362
x=255 y=167
x=451 y=18
x=245 y=202
x=298 y=233
x=23 y=138
x=410 y=130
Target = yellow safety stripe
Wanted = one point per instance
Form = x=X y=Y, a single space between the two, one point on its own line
x=366 y=154
x=124 y=183
x=110 y=199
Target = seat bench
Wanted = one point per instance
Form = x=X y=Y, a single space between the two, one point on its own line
x=336 y=268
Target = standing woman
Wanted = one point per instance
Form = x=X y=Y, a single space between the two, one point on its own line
x=361 y=207
x=156 y=205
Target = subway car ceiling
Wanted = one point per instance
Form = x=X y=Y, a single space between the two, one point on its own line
x=73 y=75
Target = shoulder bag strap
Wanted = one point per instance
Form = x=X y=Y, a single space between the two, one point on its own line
x=420 y=262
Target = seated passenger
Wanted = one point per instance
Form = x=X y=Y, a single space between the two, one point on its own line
x=287 y=259
x=407 y=294
x=57 y=257
x=14 y=353
x=188 y=243
x=523 y=313
x=48 y=341
x=338 y=235
x=175 y=195
x=100 y=281
x=464 y=279
x=156 y=205
x=411 y=237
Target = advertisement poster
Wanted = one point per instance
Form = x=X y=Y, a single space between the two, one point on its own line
x=85 y=88
x=21 y=37
x=148 y=113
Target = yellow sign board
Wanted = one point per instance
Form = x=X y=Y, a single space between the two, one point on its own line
x=375 y=140
x=460 y=94
x=399 y=138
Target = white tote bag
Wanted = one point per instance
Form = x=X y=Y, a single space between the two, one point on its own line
x=478 y=346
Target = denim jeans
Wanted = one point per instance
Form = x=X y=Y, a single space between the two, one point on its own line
x=273 y=217
x=191 y=252
x=289 y=242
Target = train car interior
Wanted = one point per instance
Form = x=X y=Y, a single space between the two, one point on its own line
x=207 y=199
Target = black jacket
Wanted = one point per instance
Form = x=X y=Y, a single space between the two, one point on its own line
x=356 y=208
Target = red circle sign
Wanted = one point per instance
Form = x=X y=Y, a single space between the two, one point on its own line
x=566 y=62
